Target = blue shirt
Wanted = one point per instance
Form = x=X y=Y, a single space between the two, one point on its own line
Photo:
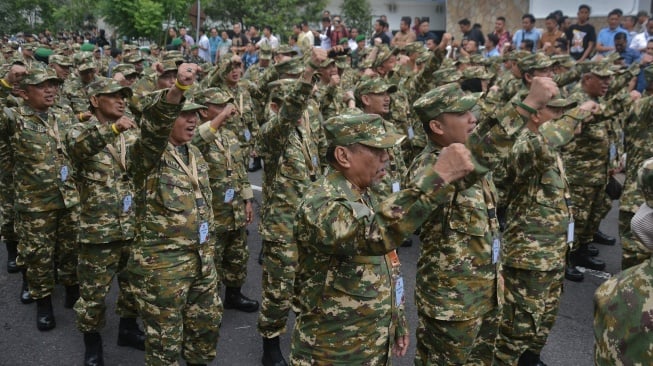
x=534 y=35
x=492 y=53
x=630 y=56
x=214 y=43
x=606 y=37
x=250 y=59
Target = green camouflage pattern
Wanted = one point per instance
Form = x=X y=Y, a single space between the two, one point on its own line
x=366 y=129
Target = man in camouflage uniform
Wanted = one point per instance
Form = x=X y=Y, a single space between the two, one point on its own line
x=622 y=304
x=535 y=239
x=172 y=273
x=107 y=216
x=232 y=194
x=349 y=289
x=638 y=134
x=329 y=94
x=458 y=289
x=46 y=199
x=256 y=75
x=74 y=89
x=289 y=145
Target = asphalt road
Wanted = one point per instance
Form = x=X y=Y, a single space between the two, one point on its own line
x=570 y=343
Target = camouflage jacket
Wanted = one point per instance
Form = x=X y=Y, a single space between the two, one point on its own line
x=283 y=144
x=638 y=132
x=330 y=100
x=622 y=318
x=535 y=234
x=170 y=221
x=344 y=272
x=32 y=149
x=105 y=189
x=228 y=178
x=74 y=91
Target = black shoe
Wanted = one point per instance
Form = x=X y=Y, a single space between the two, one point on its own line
x=584 y=260
x=591 y=250
x=44 y=314
x=72 y=294
x=529 y=358
x=130 y=335
x=260 y=256
x=256 y=165
x=25 y=297
x=572 y=274
x=12 y=253
x=407 y=243
x=234 y=299
x=600 y=238
x=93 y=355
x=272 y=355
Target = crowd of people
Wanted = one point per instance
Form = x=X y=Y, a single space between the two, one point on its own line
x=503 y=152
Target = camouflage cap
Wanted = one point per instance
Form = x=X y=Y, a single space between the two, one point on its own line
x=279 y=89
x=447 y=98
x=60 y=60
x=564 y=60
x=37 y=76
x=413 y=47
x=173 y=55
x=477 y=72
x=293 y=66
x=535 y=61
x=285 y=49
x=601 y=70
x=134 y=58
x=645 y=180
x=265 y=52
x=154 y=46
x=31 y=46
x=169 y=65
x=189 y=106
x=477 y=59
x=106 y=48
x=425 y=56
x=327 y=62
x=373 y=86
x=365 y=129
x=213 y=96
x=125 y=69
x=87 y=65
x=383 y=54
x=342 y=62
x=517 y=55
x=560 y=102
x=447 y=75
x=107 y=86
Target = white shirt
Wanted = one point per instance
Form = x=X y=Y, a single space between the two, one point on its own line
x=273 y=42
x=204 y=48
x=639 y=41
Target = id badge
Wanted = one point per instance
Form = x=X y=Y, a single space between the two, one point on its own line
x=613 y=151
x=126 y=203
x=396 y=187
x=570 y=233
x=204 y=232
x=496 y=250
x=399 y=291
x=411 y=133
x=229 y=195
x=314 y=161
x=64 y=173
x=248 y=135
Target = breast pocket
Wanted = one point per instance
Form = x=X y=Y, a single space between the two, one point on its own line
x=468 y=214
x=358 y=280
x=32 y=142
x=550 y=191
x=175 y=189
x=97 y=169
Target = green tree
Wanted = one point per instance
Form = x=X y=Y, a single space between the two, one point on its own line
x=143 y=18
x=74 y=14
x=280 y=14
x=357 y=14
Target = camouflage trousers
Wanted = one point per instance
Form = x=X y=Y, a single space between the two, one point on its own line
x=633 y=252
x=464 y=342
x=180 y=309
x=231 y=256
x=7 y=209
x=47 y=248
x=590 y=205
x=532 y=301
x=279 y=263
x=98 y=264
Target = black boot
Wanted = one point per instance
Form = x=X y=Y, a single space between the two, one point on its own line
x=529 y=358
x=272 y=353
x=407 y=243
x=583 y=258
x=256 y=165
x=12 y=253
x=25 y=297
x=93 y=354
x=572 y=274
x=601 y=238
x=592 y=250
x=72 y=294
x=130 y=335
x=44 y=314
x=234 y=299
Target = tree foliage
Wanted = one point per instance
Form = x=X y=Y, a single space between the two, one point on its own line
x=357 y=14
x=143 y=18
x=280 y=14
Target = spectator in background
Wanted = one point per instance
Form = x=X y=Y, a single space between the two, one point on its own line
x=204 y=45
x=188 y=40
x=292 y=42
x=424 y=32
x=528 y=32
x=238 y=39
x=250 y=57
x=405 y=35
x=224 y=47
x=305 y=39
x=642 y=20
x=254 y=35
x=214 y=44
x=379 y=27
x=268 y=38
x=386 y=27
x=629 y=26
x=564 y=23
x=605 y=39
x=491 y=46
x=629 y=55
x=470 y=33
x=339 y=31
x=325 y=36
x=641 y=39
x=550 y=35
x=353 y=34
x=582 y=35
x=417 y=24
x=500 y=31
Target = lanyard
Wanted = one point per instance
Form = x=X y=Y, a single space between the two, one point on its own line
x=191 y=173
x=490 y=201
x=226 y=150
x=54 y=133
x=120 y=159
x=561 y=168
